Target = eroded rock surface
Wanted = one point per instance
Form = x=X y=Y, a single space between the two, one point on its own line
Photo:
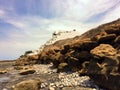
x=28 y=85
x=95 y=53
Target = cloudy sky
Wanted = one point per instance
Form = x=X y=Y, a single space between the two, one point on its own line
x=27 y=24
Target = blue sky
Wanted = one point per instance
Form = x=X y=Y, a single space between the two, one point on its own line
x=27 y=24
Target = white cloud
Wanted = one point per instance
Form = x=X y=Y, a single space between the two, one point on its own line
x=113 y=15
x=2 y=13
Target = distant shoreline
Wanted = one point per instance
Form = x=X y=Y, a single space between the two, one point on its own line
x=7 y=60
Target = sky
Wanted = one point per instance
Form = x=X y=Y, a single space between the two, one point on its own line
x=28 y=24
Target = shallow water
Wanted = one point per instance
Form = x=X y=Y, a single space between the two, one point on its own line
x=4 y=79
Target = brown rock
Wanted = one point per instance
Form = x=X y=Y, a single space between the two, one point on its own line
x=81 y=55
x=18 y=67
x=3 y=71
x=117 y=40
x=113 y=30
x=27 y=60
x=28 y=71
x=65 y=50
x=104 y=67
x=62 y=67
x=103 y=50
x=84 y=45
x=112 y=83
x=56 y=59
x=106 y=38
x=34 y=57
x=28 y=85
x=74 y=63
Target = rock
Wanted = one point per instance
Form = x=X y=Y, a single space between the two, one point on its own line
x=73 y=63
x=65 y=50
x=117 y=40
x=62 y=67
x=107 y=59
x=3 y=71
x=113 y=83
x=104 y=67
x=96 y=51
x=34 y=57
x=25 y=72
x=25 y=61
x=103 y=50
x=106 y=38
x=18 y=67
x=55 y=58
x=80 y=55
x=84 y=45
x=21 y=61
x=28 y=85
x=112 y=30
x=51 y=88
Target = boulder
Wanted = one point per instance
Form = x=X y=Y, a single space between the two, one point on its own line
x=3 y=71
x=55 y=58
x=112 y=83
x=62 y=67
x=73 y=63
x=104 y=66
x=106 y=38
x=34 y=57
x=103 y=50
x=26 y=72
x=28 y=85
x=113 y=30
x=84 y=45
x=24 y=61
x=81 y=55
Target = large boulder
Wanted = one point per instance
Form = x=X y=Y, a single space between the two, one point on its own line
x=76 y=58
x=104 y=67
x=113 y=83
x=28 y=85
x=103 y=50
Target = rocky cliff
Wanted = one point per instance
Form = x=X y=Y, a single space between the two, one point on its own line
x=95 y=53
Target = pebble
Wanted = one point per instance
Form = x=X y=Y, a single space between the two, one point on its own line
x=4 y=89
x=64 y=79
x=72 y=79
x=51 y=88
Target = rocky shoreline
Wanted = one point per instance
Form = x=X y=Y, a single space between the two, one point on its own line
x=93 y=55
x=50 y=79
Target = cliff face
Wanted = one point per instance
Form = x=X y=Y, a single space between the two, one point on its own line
x=95 y=53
